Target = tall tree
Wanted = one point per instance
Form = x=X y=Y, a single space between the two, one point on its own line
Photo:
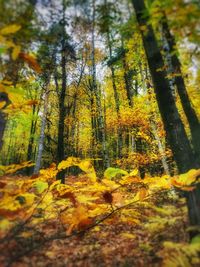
x=42 y=130
x=173 y=125
x=181 y=87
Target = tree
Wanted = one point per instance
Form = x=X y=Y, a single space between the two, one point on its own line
x=174 y=127
x=181 y=87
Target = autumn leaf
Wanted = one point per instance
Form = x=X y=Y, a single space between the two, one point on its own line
x=69 y=162
x=10 y=29
x=79 y=220
x=118 y=199
x=85 y=165
x=128 y=235
x=108 y=197
x=15 y=52
x=70 y=196
x=143 y=192
x=15 y=167
x=31 y=61
x=186 y=180
x=113 y=172
x=40 y=186
x=32 y=102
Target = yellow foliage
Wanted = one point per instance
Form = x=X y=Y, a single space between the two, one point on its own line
x=16 y=51
x=85 y=165
x=186 y=180
x=15 y=167
x=10 y=29
x=180 y=254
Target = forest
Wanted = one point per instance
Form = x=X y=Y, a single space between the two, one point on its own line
x=99 y=133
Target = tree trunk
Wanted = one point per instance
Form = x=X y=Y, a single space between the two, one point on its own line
x=116 y=97
x=42 y=134
x=62 y=114
x=3 y=120
x=32 y=132
x=62 y=95
x=160 y=149
x=181 y=88
x=173 y=125
x=3 y=116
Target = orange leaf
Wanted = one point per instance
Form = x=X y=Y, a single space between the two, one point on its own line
x=83 y=224
x=143 y=193
x=32 y=102
x=31 y=61
x=118 y=199
x=71 y=196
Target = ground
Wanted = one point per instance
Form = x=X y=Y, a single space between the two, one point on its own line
x=119 y=231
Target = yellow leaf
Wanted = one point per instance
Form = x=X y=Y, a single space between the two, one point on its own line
x=10 y=29
x=2 y=104
x=86 y=166
x=134 y=172
x=79 y=219
x=186 y=179
x=109 y=183
x=71 y=161
x=86 y=199
x=128 y=235
x=16 y=51
x=15 y=167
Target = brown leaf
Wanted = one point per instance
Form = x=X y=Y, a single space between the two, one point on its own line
x=71 y=197
x=83 y=224
x=2 y=184
x=108 y=197
x=31 y=61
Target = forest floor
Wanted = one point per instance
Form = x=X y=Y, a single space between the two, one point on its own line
x=149 y=232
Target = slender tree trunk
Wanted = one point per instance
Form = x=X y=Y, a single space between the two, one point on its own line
x=61 y=119
x=3 y=116
x=128 y=81
x=62 y=96
x=32 y=132
x=173 y=125
x=3 y=120
x=116 y=97
x=160 y=149
x=42 y=134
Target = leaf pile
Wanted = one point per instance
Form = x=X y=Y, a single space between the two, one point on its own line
x=116 y=221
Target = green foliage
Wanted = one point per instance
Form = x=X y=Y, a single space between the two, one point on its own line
x=111 y=173
x=40 y=186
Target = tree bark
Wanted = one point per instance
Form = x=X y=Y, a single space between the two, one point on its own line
x=181 y=88
x=32 y=132
x=42 y=134
x=3 y=116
